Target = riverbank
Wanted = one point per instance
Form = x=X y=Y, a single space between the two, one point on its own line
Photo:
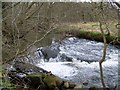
x=97 y=36
x=89 y=30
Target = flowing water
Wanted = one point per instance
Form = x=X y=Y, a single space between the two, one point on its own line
x=76 y=60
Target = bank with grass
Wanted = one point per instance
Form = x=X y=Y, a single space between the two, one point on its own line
x=97 y=36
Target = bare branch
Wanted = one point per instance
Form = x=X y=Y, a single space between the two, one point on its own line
x=30 y=46
x=11 y=6
x=33 y=12
x=29 y=6
x=104 y=51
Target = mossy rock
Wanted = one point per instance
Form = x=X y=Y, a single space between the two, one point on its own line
x=93 y=88
x=36 y=80
x=48 y=82
x=52 y=81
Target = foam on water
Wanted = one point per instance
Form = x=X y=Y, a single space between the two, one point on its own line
x=77 y=71
x=59 y=69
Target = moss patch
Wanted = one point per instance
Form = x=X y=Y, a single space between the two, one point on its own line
x=97 y=36
x=44 y=81
x=35 y=80
x=48 y=82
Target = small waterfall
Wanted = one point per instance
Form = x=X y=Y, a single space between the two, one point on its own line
x=39 y=53
x=39 y=56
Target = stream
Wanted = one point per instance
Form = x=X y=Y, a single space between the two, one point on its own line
x=77 y=60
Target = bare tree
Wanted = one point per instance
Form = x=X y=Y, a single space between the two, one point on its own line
x=101 y=19
x=21 y=21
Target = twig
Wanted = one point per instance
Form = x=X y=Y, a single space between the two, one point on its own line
x=34 y=12
x=8 y=7
x=29 y=6
x=30 y=45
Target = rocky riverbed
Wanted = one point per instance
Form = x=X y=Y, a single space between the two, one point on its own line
x=76 y=60
x=73 y=60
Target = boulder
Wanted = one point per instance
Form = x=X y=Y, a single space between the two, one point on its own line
x=49 y=53
x=48 y=82
x=36 y=78
x=53 y=82
x=36 y=81
x=20 y=71
x=27 y=68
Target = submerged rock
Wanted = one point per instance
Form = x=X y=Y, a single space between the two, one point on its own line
x=65 y=58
